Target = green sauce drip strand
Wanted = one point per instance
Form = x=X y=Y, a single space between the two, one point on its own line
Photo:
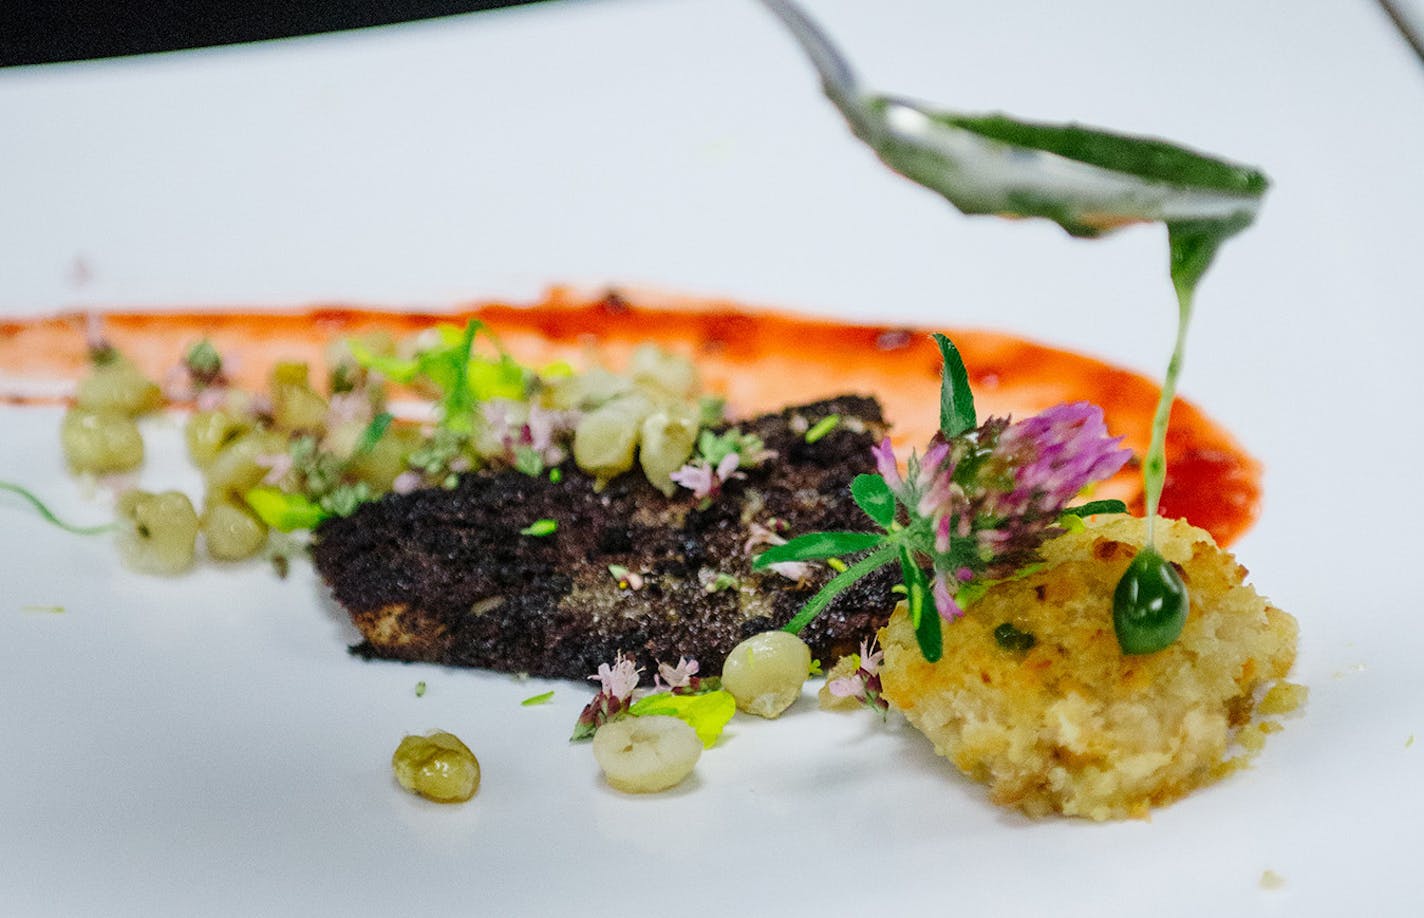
x=1151 y=601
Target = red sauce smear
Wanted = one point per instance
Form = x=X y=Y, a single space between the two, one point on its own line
x=759 y=360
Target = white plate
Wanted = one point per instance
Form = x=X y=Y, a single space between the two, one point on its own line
x=206 y=746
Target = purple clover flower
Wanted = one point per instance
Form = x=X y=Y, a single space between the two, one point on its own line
x=987 y=499
x=1056 y=454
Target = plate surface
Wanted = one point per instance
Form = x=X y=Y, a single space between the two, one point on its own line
x=204 y=745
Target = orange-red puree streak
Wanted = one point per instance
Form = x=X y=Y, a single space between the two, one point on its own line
x=758 y=360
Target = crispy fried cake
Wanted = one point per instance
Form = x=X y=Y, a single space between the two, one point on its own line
x=1071 y=724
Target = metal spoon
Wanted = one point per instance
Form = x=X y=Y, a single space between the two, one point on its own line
x=1087 y=180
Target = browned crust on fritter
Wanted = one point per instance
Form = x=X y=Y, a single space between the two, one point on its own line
x=445 y=577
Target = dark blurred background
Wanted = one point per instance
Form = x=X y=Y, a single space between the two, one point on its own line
x=49 y=31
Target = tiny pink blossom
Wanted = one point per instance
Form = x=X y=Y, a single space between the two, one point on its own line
x=178 y=384
x=791 y=570
x=885 y=464
x=347 y=407
x=210 y=398
x=697 y=477
x=871 y=657
x=944 y=601
x=407 y=482
x=728 y=466
x=278 y=466
x=94 y=331
x=704 y=481
x=761 y=535
x=676 y=677
x=619 y=680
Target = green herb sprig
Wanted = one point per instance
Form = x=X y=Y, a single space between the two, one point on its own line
x=972 y=510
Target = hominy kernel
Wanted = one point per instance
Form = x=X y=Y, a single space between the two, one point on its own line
x=765 y=672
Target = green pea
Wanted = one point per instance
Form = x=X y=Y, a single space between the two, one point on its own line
x=1149 y=605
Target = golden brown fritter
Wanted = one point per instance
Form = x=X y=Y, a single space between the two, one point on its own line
x=1072 y=725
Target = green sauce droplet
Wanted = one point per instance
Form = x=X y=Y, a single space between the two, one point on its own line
x=1149 y=605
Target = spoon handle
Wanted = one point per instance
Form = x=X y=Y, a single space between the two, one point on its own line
x=836 y=74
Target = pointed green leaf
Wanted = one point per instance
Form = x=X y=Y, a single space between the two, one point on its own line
x=818 y=545
x=282 y=511
x=395 y=369
x=373 y=433
x=873 y=495
x=923 y=614
x=956 y=401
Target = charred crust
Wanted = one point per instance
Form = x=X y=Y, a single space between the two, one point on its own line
x=444 y=576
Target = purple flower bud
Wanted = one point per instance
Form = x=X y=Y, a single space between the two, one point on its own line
x=944 y=601
x=885 y=464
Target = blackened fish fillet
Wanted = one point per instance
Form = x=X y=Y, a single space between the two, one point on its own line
x=445 y=576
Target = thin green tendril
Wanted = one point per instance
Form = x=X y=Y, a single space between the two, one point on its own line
x=48 y=514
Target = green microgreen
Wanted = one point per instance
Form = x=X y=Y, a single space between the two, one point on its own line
x=556 y=475
x=713 y=447
x=282 y=511
x=541 y=698
x=540 y=528
x=460 y=376
x=711 y=411
x=874 y=497
x=49 y=516
x=822 y=427
x=837 y=585
x=373 y=433
x=705 y=712
x=528 y=461
x=345 y=498
x=420 y=689
x=722 y=581
x=817 y=546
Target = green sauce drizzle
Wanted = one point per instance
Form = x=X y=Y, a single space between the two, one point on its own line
x=1089 y=181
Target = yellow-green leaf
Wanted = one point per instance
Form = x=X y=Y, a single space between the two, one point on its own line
x=283 y=511
x=707 y=713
